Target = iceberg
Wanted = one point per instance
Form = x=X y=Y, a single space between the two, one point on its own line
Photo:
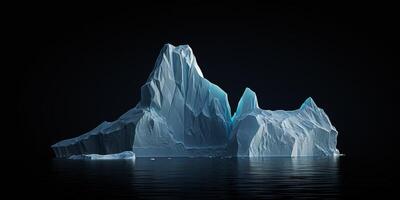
x=265 y=133
x=182 y=114
x=126 y=155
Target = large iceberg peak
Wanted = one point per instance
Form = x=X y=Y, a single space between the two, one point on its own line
x=180 y=59
x=180 y=113
x=188 y=110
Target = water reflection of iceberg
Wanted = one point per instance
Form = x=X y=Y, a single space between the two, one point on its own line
x=290 y=176
x=203 y=178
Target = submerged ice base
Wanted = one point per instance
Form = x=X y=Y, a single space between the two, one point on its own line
x=126 y=155
x=182 y=114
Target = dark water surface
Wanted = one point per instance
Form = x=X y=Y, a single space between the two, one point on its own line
x=212 y=178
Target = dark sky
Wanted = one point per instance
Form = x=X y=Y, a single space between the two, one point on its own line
x=86 y=64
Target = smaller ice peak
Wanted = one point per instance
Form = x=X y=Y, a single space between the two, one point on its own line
x=310 y=111
x=309 y=103
x=247 y=103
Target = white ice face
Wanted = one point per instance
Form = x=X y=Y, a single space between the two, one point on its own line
x=264 y=133
x=183 y=114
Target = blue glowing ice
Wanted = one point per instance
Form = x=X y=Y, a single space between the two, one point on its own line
x=183 y=114
x=180 y=114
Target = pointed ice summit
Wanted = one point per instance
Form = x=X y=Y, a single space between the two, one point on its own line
x=183 y=114
x=263 y=133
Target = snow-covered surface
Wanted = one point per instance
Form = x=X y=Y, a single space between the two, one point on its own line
x=126 y=155
x=183 y=114
x=303 y=132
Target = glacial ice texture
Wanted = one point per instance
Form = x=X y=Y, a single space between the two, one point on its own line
x=180 y=114
x=183 y=114
x=264 y=133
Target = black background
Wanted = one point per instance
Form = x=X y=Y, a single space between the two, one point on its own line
x=85 y=64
